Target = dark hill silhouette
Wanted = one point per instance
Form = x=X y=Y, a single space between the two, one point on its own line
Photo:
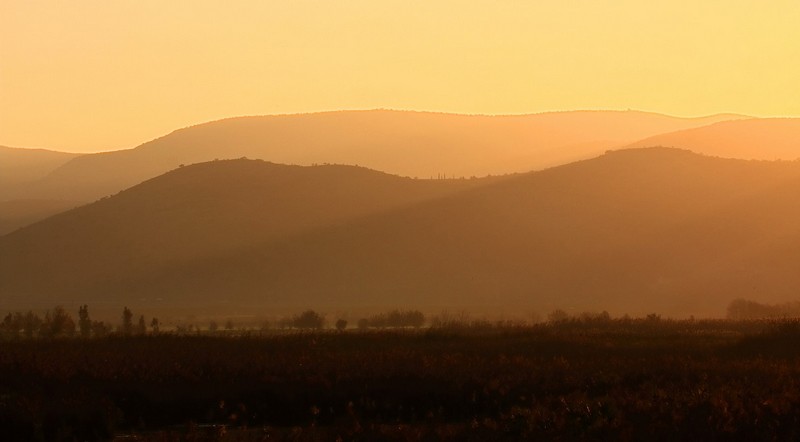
x=631 y=231
x=758 y=139
x=199 y=211
x=420 y=144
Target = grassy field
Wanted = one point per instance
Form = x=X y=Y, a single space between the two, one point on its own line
x=619 y=379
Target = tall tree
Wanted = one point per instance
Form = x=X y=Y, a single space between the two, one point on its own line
x=30 y=324
x=127 y=321
x=58 y=323
x=141 y=327
x=84 y=323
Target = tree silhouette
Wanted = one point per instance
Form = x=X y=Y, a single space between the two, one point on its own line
x=30 y=324
x=8 y=324
x=100 y=329
x=84 y=323
x=396 y=318
x=308 y=319
x=557 y=316
x=141 y=328
x=58 y=323
x=127 y=321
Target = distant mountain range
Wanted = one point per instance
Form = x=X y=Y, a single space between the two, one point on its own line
x=757 y=138
x=632 y=231
x=24 y=166
x=417 y=144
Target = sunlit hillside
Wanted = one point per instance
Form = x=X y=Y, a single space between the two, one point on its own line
x=631 y=231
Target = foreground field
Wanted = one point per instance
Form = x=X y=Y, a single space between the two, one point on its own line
x=639 y=380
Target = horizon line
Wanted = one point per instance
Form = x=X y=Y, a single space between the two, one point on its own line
x=435 y=112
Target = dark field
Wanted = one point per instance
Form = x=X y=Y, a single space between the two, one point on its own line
x=629 y=380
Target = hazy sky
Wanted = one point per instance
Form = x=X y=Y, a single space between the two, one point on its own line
x=95 y=75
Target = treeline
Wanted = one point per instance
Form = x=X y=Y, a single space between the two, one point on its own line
x=394 y=319
x=59 y=323
x=310 y=319
x=741 y=309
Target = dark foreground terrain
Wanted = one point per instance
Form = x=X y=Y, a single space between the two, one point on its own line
x=614 y=379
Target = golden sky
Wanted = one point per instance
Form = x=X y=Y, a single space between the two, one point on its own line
x=94 y=75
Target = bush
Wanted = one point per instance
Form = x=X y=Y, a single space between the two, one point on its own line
x=309 y=319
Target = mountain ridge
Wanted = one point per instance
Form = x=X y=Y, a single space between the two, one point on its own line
x=632 y=231
x=400 y=142
x=755 y=138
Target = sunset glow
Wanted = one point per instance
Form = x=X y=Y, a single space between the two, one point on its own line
x=97 y=75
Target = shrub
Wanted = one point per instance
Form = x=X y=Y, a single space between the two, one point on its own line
x=309 y=319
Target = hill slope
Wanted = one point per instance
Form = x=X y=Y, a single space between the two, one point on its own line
x=18 y=169
x=21 y=166
x=417 y=144
x=759 y=139
x=192 y=213
x=632 y=231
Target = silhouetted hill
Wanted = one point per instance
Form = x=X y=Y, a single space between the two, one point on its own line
x=420 y=144
x=21 y=166
x=632 y=231
x=193 y=213
x=758 y=139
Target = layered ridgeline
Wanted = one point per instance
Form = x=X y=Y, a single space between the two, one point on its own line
x=189 y=215
x=18 y=169
x=417 y=144
x=633 y=231
x=25 y=165
x=757 y=138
